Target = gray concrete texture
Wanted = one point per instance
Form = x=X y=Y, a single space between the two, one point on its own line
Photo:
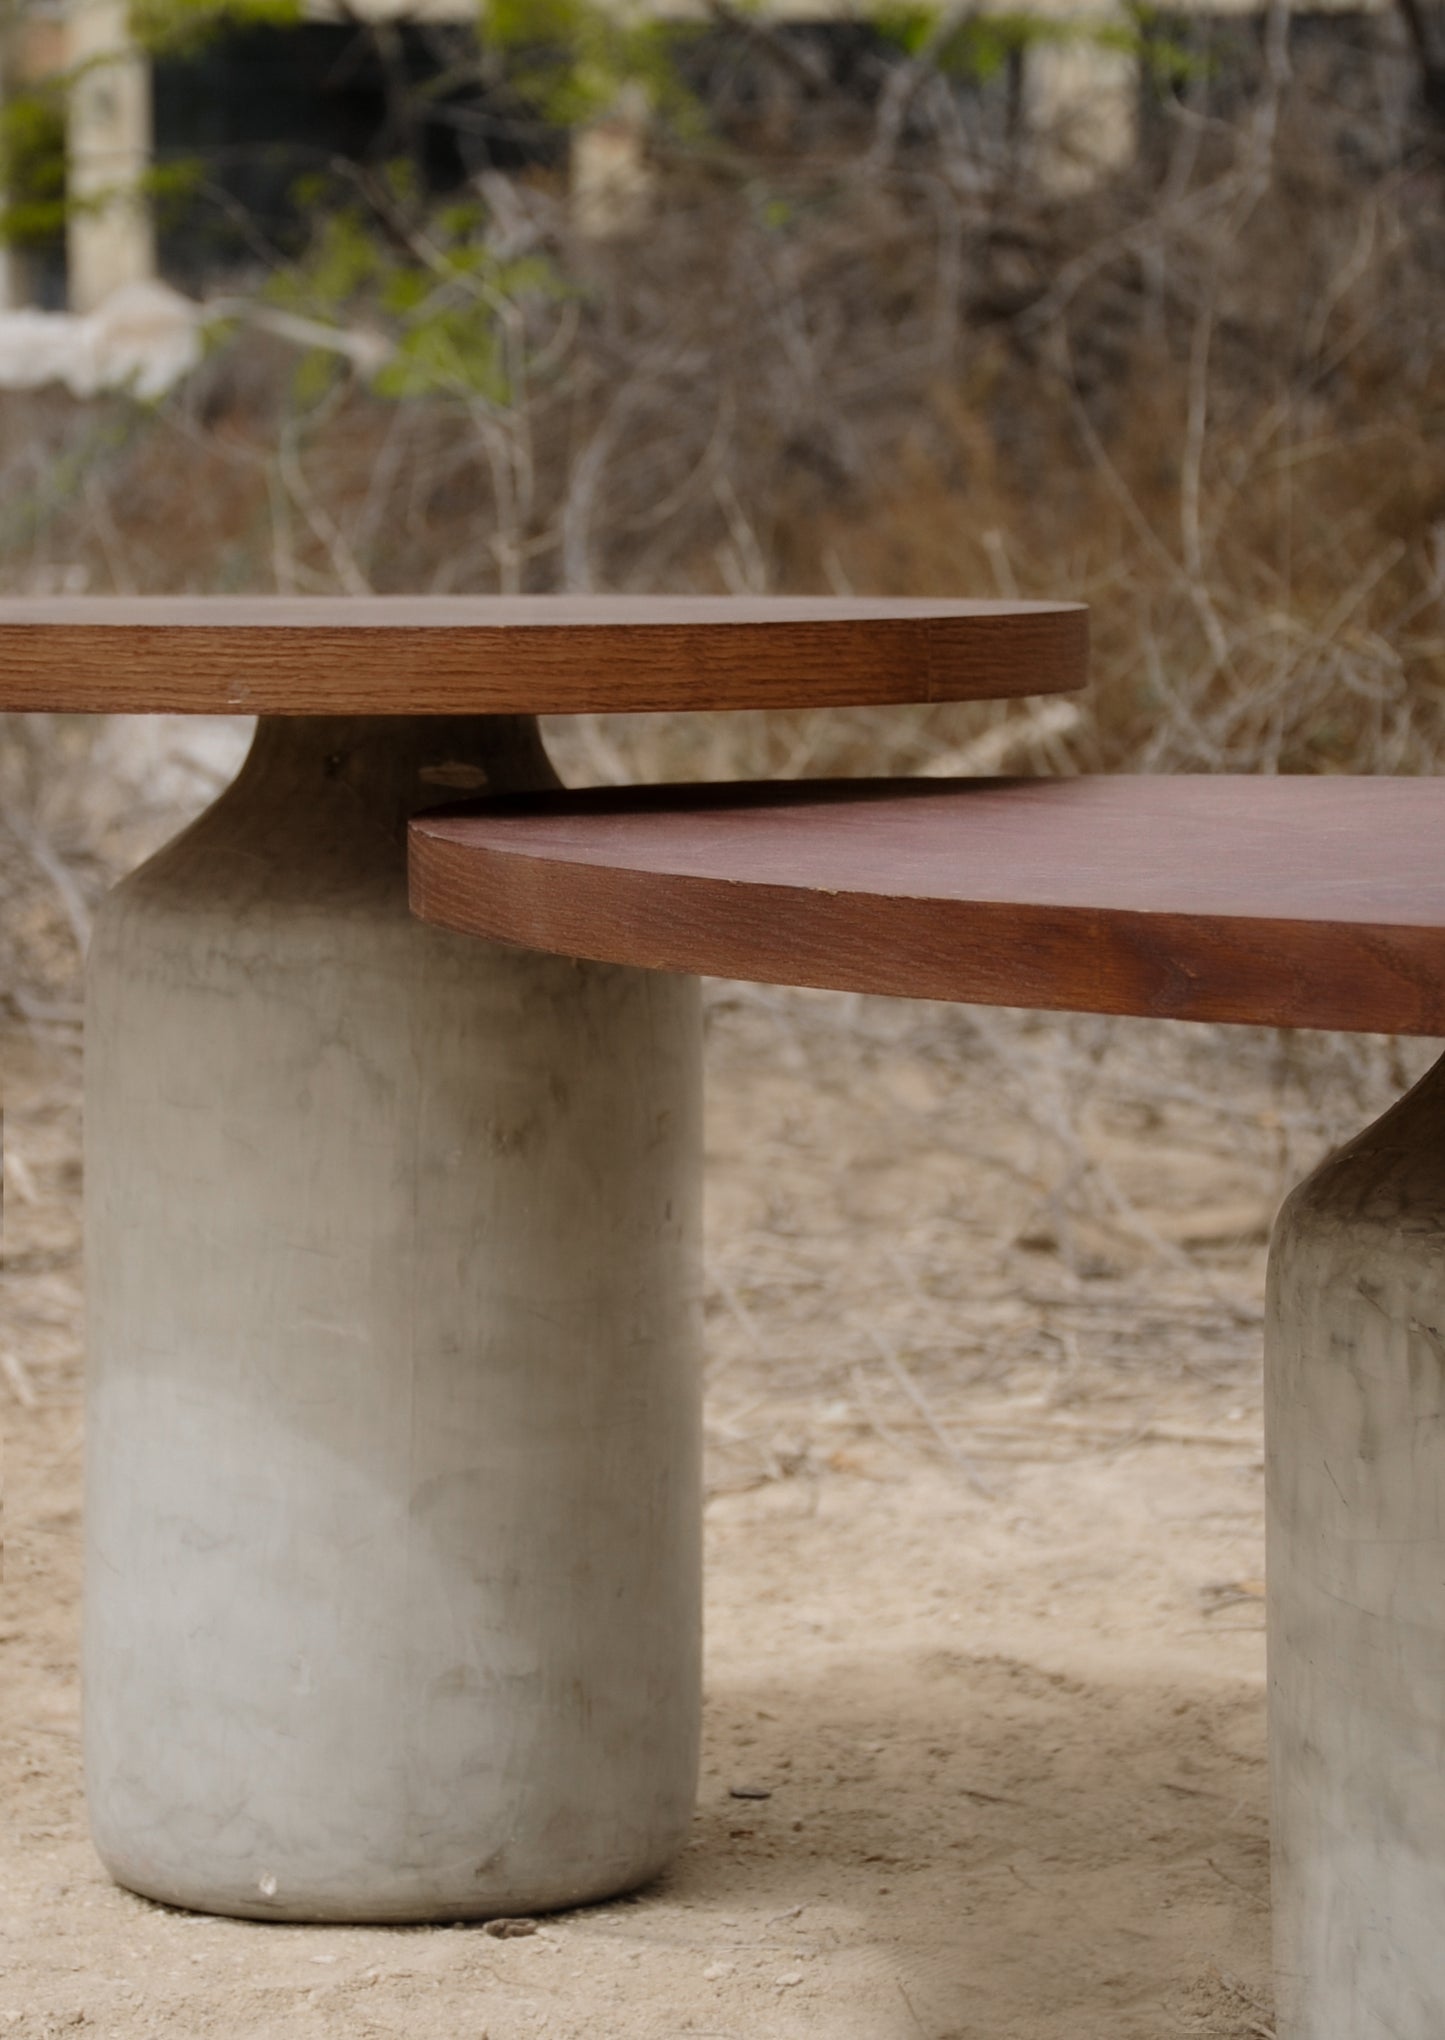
x=1355 y=1430
x=393 y=1515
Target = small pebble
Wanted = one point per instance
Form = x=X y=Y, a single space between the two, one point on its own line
x=750 y=1792
x=510 y=1930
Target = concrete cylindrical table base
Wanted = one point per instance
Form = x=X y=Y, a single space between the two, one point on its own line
x=393 y=1520
x=1355 y=1365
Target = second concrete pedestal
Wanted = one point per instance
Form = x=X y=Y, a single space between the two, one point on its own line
x=1355 y=1366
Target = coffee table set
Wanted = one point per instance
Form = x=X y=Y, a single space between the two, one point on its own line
x=393 y=1500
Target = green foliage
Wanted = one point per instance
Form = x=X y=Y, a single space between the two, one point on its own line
x=443 y=297
x=180 y=27
x=32 y=167
x=168 y=186
x=1167 y=60
x=36 y=201
x=981 y=46
x=905 y=28
x=576 y=59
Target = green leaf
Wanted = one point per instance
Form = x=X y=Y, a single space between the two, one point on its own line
x=180 y=27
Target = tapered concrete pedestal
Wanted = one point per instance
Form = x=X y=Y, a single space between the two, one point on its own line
x=393 y=1583
x=1355 y=1361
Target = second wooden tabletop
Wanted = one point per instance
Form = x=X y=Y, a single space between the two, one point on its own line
x=1278 y=902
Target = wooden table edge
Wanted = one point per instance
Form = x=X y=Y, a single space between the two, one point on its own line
x=1123 y=962
x=399 y=669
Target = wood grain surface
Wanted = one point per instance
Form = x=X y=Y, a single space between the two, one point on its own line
x=1287 y=902
x=529 y=655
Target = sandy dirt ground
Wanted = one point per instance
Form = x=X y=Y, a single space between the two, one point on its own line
x=985 y=1731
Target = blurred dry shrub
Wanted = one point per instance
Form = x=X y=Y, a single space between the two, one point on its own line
x=861 y=345
x=1205 y=396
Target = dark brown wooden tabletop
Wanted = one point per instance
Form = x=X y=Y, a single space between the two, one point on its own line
x=1290 y=902
x=527 y=655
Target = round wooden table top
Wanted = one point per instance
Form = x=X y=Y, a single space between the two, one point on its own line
x=1279 y=902
x=525 y=655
